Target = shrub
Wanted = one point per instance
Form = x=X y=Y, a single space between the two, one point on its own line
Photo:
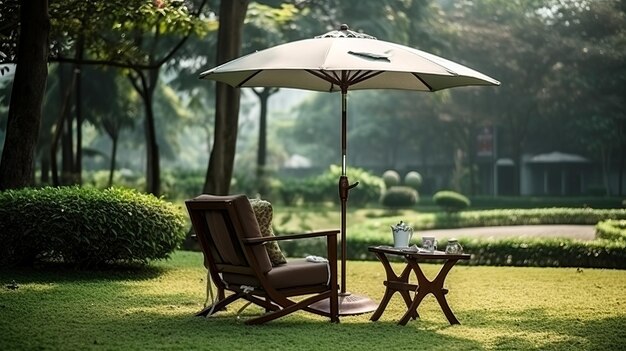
x=369 y=189
x=400 y=197
x=391 y=178
x=451 y=201
x=324 y=187
x=488 y=218
x=181 y=184
x=554 y=252
x=413 y=179
x=86 y=226
x=535 y=252
x=611 y=229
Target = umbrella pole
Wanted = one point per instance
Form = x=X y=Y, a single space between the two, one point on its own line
x=344 y=187
x=349 y=304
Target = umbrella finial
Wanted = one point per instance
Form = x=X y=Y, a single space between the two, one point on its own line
x=345 y=32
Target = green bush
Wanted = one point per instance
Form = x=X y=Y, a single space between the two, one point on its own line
x=534 y=252
x=489 y=218
x=181 y=184
x=368 y=191
x=86 y=226
x=121 y=178
x=413 y=179
x=611 y=229
x=451 y=201
x=609 y=251
x=547 y=252
x=391 y=178
x=324 y=188
x=400 y=197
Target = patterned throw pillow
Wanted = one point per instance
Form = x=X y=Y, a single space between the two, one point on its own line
x=263 y=212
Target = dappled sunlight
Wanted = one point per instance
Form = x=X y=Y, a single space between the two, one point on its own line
x=498 y=307
x=504 y=337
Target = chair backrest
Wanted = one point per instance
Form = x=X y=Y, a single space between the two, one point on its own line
x=220 y=223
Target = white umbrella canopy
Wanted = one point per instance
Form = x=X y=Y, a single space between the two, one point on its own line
x=356 y=63
x=345 y=60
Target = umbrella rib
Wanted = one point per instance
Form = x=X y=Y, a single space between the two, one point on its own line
x=325 y=76
x=363 y=75
x=248 y=78
x=333 y=77
x=423 y=82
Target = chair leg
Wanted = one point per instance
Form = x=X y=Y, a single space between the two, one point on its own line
x=290 y=307
x=334 y=306
x=219 y=305
x=265 y=303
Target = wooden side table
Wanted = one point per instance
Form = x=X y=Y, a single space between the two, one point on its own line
x=400 y=283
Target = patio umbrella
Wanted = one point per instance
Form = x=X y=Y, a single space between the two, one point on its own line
x=343 y=60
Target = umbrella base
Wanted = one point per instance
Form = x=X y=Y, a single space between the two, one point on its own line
x=349 y=304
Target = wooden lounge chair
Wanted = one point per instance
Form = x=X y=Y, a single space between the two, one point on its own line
x=237 y=260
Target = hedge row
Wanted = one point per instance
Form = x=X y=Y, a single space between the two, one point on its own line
x=507 y=252
x=490 y=218
x=611 y=229
x=86 y=226
x=605 y=252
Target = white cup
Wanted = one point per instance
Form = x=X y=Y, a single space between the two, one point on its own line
x=429 y=243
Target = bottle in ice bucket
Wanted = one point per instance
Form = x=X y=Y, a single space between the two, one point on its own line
x=453 y=247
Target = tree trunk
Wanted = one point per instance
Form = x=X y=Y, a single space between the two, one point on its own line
x=153 y=172
x=620 y=177
x=622 y=139
x=45 y=168
x=261 y=158
x=29 y=85
x=605 y=156
x=145 y=87
x=471 y=160
x=112 y=164
x=220 y=168
x=67 y=150
x=77 y=168
x=66 y=92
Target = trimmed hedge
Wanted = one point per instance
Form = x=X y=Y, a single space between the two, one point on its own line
x=490 y=218
x=324 y=188
x=506 y=252
x=391 y=178
x=611 y=229
x=543 y=252
x=399 y=197
x=413 y=179
x=451 y=201
x=86 y=226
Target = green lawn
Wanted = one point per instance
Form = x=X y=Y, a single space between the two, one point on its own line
x=499 y=308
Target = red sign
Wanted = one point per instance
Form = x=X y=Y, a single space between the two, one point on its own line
x=484 y=142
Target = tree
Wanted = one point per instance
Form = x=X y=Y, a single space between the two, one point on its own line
x=113 y=33
x=145 y=80
x=16 y=165
x=112 y=106
x=220 y=168
x=264 y=27
x=586 y=86
x=561 y=67
x=509 y=41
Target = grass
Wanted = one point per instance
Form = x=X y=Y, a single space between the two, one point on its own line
x=152 y=308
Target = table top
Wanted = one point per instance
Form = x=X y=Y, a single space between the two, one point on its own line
x=418 y=253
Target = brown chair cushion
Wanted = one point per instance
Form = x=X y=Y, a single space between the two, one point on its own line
x=263 y=212
x=296 y=273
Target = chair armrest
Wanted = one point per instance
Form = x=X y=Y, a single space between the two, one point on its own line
x=261 y=240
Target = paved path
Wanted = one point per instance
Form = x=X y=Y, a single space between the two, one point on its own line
x=582 y=232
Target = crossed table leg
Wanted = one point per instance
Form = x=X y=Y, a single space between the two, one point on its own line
x=400 y=283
